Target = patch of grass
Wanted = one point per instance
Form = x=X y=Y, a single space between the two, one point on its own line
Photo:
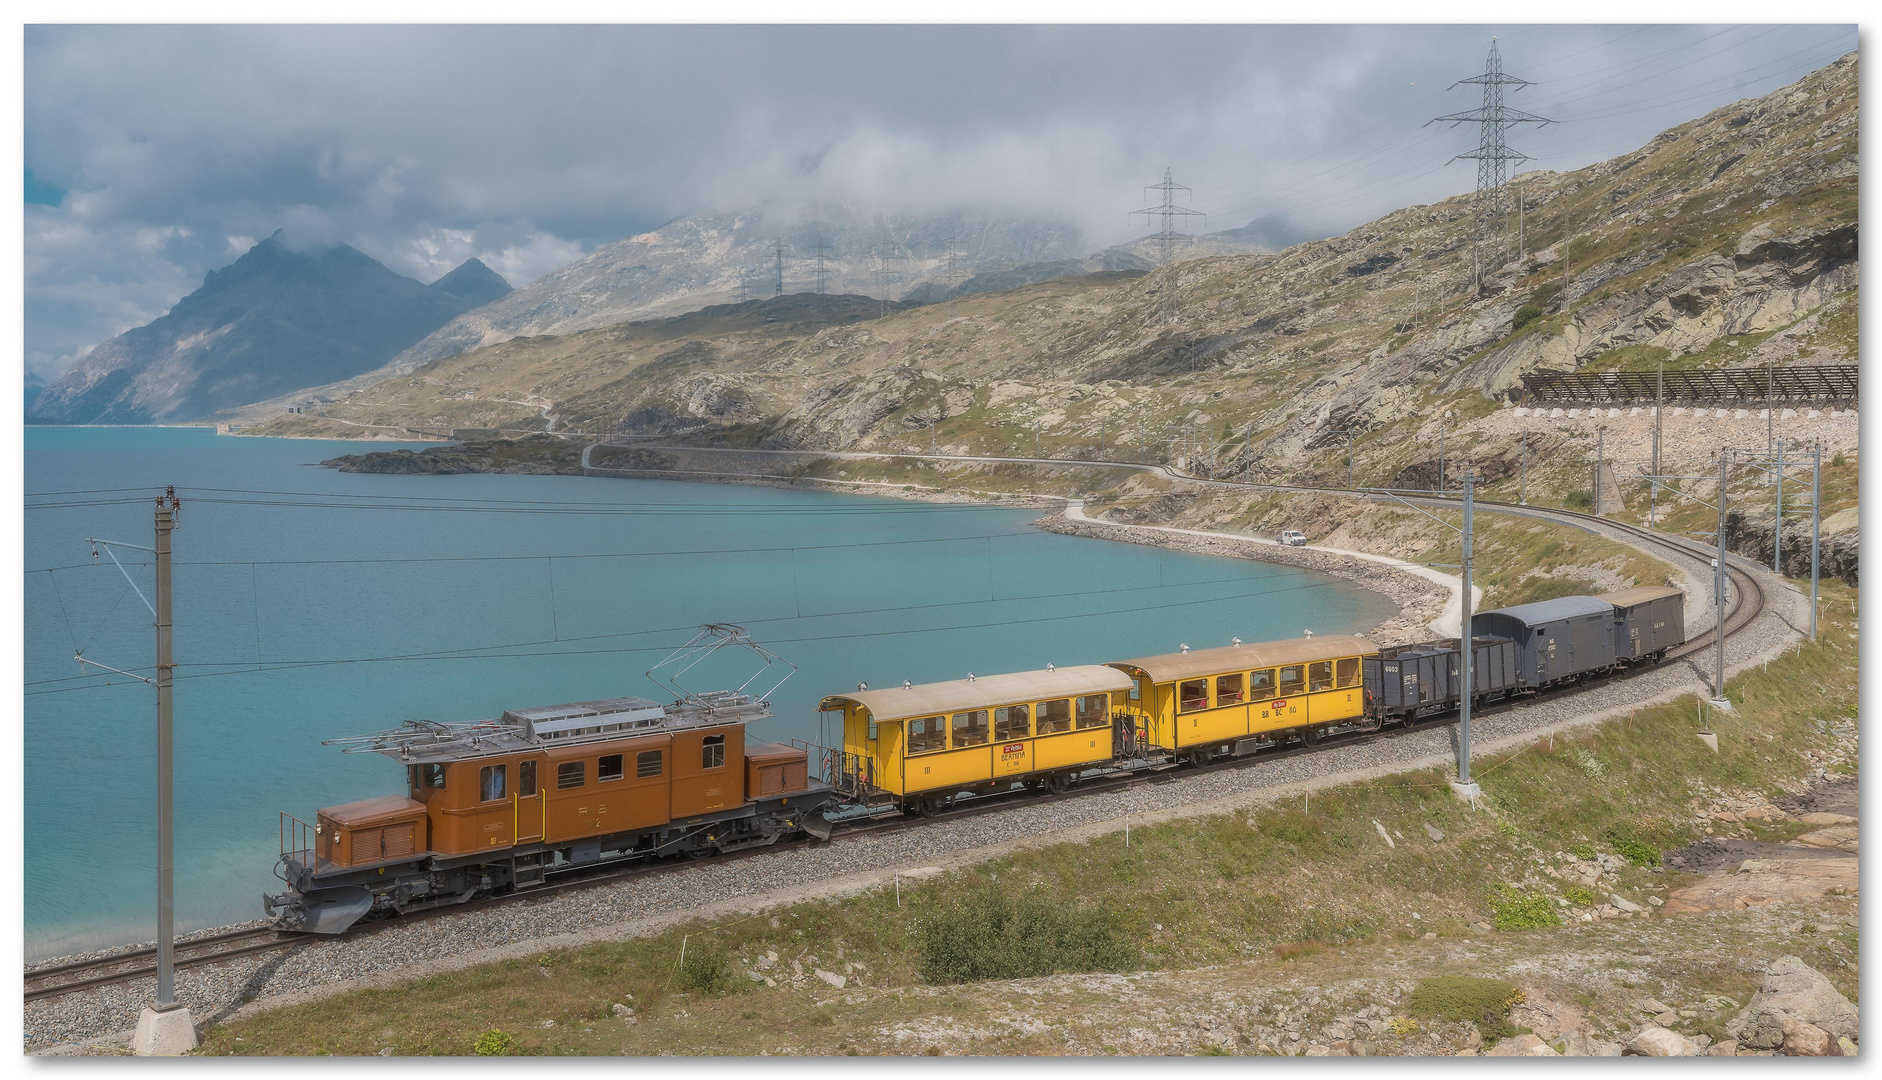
x=1582 y=895
x=1631 y=847
x=708 y=970
x=1487 y=1002
x=493 y=1043
x=1579 y=499
x=991 y=935
x=1514 y=909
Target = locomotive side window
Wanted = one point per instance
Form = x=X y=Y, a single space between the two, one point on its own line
x=1261 y=685
x=609 y=768
x=648 y=763
x=413 y=781
x=434 y=777
x=1193 y=695
x=1094 y=710
x=1012 y=722
x=1055 y=716
x=929 y=733
x=712 y=754
x=571 y=774
x=492 y=783
x=1228 y=689
x=1320 y=675
x=1348 y=673
x=970 y=728
x=526 y=779
x=1292 y=680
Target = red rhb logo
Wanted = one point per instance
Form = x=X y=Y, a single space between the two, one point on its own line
x=1013 y=748
x=1280 y=703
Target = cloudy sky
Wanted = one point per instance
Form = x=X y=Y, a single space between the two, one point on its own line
x=155 y=154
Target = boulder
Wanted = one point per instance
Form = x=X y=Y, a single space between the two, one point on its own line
x=1793 y=990
x=1728 y=1048
x=1522 y=1046
x=1657 y=1041
x=1617 y=899
x=1808 y=1040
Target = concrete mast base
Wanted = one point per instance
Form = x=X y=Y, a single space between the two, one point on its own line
x=164 y=1032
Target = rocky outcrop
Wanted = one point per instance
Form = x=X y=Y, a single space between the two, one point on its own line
x=542 y=455
x=1794 y=993
x=1838 y=552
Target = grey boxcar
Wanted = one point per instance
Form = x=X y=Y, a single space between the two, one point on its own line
x=1557 y=640
x=1648 y=620
x=1403 y=680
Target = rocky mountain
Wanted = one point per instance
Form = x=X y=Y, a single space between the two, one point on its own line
x=34 y=386
x=474 y=283
x=1728 y=239
x=280 y=317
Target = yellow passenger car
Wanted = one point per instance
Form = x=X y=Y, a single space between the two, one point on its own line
x=1211 y=703
x=921 y=745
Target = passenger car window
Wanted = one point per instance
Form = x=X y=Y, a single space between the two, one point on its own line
x=1292 y=679
x=1137 y=689
x=871 y=736
x=648 y=764
x=526 y=779
x=609 y=767
x=1193 y=695
x=1094 y=710
x=927 y=734
x=571 y=774
x=1261 y=685
x=1055 y=716
x=712 y=753
x=1348 y=672
x=970 y=728
x=1228 y=689
x=1012 y=722
x=492 y=782
x=1320 y=675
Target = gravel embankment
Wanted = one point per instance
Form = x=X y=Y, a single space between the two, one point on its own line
x=647 y=904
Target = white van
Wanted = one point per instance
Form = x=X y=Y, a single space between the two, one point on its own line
x=1294 y=538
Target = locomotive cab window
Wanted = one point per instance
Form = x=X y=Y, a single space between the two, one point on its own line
x=609 y=768
x=928 y=733
x=525 y=779
x=492 y=782
x=970 y=728
x=712 y=753
x=1193 y=694
x=648 y=764
x=1293 y=680
x=1261 y=685
x=1347 y=673
x=1055 y=716
x=1228 y=689
x=1094 y=710
x=571 y=774
x=433 y=776
x=1320 y=675
x=1012 y=722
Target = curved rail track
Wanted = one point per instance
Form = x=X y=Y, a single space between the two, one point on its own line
x=1746 y=604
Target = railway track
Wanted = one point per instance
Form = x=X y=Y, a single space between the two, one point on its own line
x=1745 y=605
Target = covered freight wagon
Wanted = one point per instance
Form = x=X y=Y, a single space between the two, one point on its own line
x=1648 y=620
x=1557 y=640
x=1404 y=681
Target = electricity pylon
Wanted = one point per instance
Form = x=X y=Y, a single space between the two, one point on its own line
x=1493 y=156
x=1169 y=212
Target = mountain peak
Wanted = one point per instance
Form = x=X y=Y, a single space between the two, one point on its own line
x=474 y=283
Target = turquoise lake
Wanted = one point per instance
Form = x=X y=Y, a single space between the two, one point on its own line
x=524 y=591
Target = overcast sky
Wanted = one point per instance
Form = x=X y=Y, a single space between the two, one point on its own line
x=156 y=154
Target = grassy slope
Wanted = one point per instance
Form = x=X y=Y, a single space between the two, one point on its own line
x=1237 y=889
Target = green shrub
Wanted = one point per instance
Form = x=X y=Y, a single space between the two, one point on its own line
x=1525 y=315
x=993 y=936
x=1583 y=851
x=1459 y=997
x=1513 y=909
x=1581 y=894
x=492 y=1043
x=1836 y=461
x=707 y=970
x=1581 y=499
x=1632 y=848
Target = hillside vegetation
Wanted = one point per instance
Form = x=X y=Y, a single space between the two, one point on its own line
x=1718 y=242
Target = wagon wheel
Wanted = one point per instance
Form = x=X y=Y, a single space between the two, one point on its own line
x=1311 y=736
x=928 y=808
x=1057 y=784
